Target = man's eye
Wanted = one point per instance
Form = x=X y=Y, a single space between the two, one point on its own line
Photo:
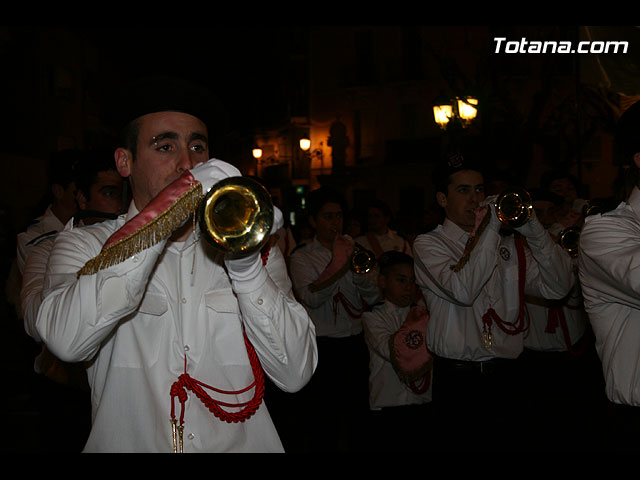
x=198 y=148
x=111 y=192
x=165 y=147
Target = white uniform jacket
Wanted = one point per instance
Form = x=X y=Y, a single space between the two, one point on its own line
x=609 y=261
x=167 y=310
x=458 y=300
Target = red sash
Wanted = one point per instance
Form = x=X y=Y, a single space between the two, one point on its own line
x=352 y=310
x=557 y=318
x=521 y=324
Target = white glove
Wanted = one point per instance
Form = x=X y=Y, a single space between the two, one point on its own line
x=246 y=273
x=212 y=171
x=278 y=220
x=533 y=229
x=494 y=222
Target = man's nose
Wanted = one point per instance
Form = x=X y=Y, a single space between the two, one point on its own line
x=185 y=162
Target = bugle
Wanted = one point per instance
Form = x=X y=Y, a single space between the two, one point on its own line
x=236 y=216
x=514 y=207
x=569 y=240
x=362 y=260
x=569 y=237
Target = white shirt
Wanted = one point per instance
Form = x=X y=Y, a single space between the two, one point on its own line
x=306 y=265
x=457 y=301
x=609 y=260
x=575 y=322
x=33 y=274
x=41 y=228
x=385 y=388
x=167 y=309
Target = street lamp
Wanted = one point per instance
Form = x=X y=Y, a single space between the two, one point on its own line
x=442 y=114
x=467 y=109
x=462 y=109
x=257 y=153
x=305 y=144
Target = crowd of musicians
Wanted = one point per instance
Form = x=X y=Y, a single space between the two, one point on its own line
x=488 y=331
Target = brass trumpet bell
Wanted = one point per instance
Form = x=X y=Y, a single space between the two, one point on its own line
x=569 y=240
x=362 y=260
x=514 y=207
x=236 y=216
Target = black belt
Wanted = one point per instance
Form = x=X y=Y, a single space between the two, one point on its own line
x=483 y=367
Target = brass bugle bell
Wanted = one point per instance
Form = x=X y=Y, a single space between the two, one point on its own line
x=514 y=207
x=362 y=260
x=236 y=216
x=591 y=209
x=569 y=240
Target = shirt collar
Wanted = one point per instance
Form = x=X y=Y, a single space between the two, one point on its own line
x=392 y=307
x=132 y=211
x=315 y=244
x=454 y=232
x=634 y=200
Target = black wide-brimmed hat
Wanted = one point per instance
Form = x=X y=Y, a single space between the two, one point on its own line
x=159 y=93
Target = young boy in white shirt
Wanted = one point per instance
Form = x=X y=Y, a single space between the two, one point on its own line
x=399 y=362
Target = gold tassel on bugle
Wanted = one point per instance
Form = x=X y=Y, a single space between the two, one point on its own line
x=149 y=234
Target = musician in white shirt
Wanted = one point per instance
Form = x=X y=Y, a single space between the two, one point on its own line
x=608 y=259
x=163 y=327
x=474 y=278
x=336 y=298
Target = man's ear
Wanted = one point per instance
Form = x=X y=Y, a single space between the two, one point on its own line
x=312 y=222
x=441 y=198
x=123 y=159
x=636 y=159
x=57 y=191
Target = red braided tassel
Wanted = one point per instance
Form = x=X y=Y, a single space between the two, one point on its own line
x=521 y=324
x=264 y=254
x=185 y=381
